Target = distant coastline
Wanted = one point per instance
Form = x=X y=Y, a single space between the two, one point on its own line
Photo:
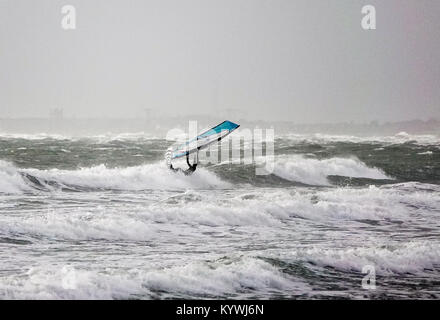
x=159 y=126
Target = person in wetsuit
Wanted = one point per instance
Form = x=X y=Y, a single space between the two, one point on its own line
x=191 y=168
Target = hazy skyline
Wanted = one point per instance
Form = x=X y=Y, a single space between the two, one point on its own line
x=304 y=61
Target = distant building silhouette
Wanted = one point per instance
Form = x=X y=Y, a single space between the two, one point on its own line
x=56 y=113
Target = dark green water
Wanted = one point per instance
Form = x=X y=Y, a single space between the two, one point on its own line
x=102 y=217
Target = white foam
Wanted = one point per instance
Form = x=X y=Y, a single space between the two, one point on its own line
x=411 y=257
x=273 y=207
x=399 y=138
x=373 y=203
x=140 y=222
x=413 y=186
x=149 y=176
x=218 y=210
x=10 y=180
x=35 y=136
x=265 y=209
x=315 y=172
x=101 y=138
x=67 y=282
x=80 y=224
x=219 y=278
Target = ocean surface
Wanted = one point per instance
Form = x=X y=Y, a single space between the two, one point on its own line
x=101 y=217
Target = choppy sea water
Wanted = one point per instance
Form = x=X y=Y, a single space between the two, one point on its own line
x=103 y=218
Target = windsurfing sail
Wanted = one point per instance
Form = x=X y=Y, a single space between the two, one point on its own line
x=202 y=141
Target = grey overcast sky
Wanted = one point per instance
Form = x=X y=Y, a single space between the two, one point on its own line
x=299 y=60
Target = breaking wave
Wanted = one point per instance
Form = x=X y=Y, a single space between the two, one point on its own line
x=235 y=276
x=10 y=179
x=399 y=138
x=156 y=176
x=144 y=177
x=220 y=277
x=101 y=138
x=412 y=257
x=315 y=171
x=132 y=220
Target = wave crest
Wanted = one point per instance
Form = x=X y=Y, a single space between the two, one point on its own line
x=315 y=171
x=144 y=177
x=399 y=138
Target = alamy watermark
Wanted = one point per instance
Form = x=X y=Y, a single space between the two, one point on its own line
x=369 y=281
x=242 y=146
x=368 y=21
x=68 y=20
